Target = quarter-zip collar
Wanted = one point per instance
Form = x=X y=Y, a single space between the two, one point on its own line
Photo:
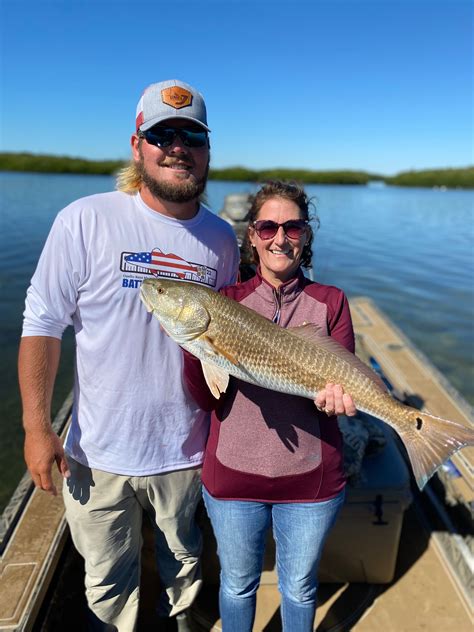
x=285 y=293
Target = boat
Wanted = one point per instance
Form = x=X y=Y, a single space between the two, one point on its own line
x=234 y=211
x=398 y=559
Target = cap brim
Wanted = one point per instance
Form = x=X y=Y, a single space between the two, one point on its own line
x=159 y=119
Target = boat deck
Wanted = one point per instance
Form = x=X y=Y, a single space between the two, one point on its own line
x=41 y=576
x=421 y=597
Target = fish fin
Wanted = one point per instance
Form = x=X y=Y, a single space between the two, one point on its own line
x=315 y=335
x=216 y=378
x=183 y=337
x=430 y=441
x=219 y=351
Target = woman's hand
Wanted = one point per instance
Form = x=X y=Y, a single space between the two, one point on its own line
x=333 y=401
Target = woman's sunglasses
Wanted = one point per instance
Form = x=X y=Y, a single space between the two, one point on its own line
x=266 y=229
x=164 y=136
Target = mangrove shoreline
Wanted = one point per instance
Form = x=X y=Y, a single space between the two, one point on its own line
x=459 y=178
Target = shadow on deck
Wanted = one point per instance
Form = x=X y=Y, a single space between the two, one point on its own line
x=341 y=605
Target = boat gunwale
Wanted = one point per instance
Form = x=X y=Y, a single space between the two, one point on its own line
x=20 y=497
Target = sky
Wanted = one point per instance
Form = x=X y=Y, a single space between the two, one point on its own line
x=381 y=86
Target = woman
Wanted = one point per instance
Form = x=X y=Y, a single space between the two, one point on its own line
x=271 y=458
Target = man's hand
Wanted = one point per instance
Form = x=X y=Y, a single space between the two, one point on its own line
x=42 y=449
x=333 y=401
x=38 y=361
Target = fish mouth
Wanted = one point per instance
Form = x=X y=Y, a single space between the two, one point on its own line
x=144 y=295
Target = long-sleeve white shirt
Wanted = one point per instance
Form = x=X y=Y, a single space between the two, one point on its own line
x=132 y=414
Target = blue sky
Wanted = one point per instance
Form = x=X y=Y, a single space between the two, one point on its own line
x=381 y=85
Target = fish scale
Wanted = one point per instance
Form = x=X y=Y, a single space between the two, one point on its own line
x=231 y=339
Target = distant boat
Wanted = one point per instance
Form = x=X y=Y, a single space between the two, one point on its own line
x=376 y=184
x=235 y=212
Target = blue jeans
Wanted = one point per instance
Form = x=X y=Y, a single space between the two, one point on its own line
x=299 y=530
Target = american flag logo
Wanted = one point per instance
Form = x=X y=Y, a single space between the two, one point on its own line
x=157 y=262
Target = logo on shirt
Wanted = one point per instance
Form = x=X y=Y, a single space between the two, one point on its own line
x=161 y=264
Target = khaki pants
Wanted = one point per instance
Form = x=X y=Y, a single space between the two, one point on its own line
x=104 y=512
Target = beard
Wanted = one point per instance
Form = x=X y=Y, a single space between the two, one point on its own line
x=189 y=189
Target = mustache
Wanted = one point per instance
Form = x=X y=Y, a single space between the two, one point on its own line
x=171 y=162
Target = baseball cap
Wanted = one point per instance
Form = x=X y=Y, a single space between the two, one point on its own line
x=167 y=100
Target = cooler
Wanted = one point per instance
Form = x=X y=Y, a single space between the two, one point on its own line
x=363 y=545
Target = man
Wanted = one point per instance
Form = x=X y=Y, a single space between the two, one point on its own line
x=137 y=438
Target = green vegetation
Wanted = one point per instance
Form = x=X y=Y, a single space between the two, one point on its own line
x=57 y=164
x=304 y=176
x=449 y=178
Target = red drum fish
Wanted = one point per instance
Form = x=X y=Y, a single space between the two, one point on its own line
x=231 y=339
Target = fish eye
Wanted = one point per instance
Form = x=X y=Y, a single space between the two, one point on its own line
x=160 y=290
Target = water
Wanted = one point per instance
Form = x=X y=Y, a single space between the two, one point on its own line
x=410 y=250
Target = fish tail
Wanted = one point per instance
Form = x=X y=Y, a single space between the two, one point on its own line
x=431 y=441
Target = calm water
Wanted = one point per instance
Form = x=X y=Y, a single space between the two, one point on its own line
x=411 y=250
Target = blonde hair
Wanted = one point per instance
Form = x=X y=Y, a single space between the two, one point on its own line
x=129 y=179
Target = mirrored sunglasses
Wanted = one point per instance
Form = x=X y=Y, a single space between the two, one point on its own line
x=267 y=229
x=164 y=136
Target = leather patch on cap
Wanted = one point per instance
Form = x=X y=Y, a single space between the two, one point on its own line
x=176 y=97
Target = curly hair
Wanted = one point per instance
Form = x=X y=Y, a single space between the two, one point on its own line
x=288 y=191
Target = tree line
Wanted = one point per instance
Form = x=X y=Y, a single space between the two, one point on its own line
x=449 y=178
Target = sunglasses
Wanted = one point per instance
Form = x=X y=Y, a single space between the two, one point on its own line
x=293 y=228
x=164 y=136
